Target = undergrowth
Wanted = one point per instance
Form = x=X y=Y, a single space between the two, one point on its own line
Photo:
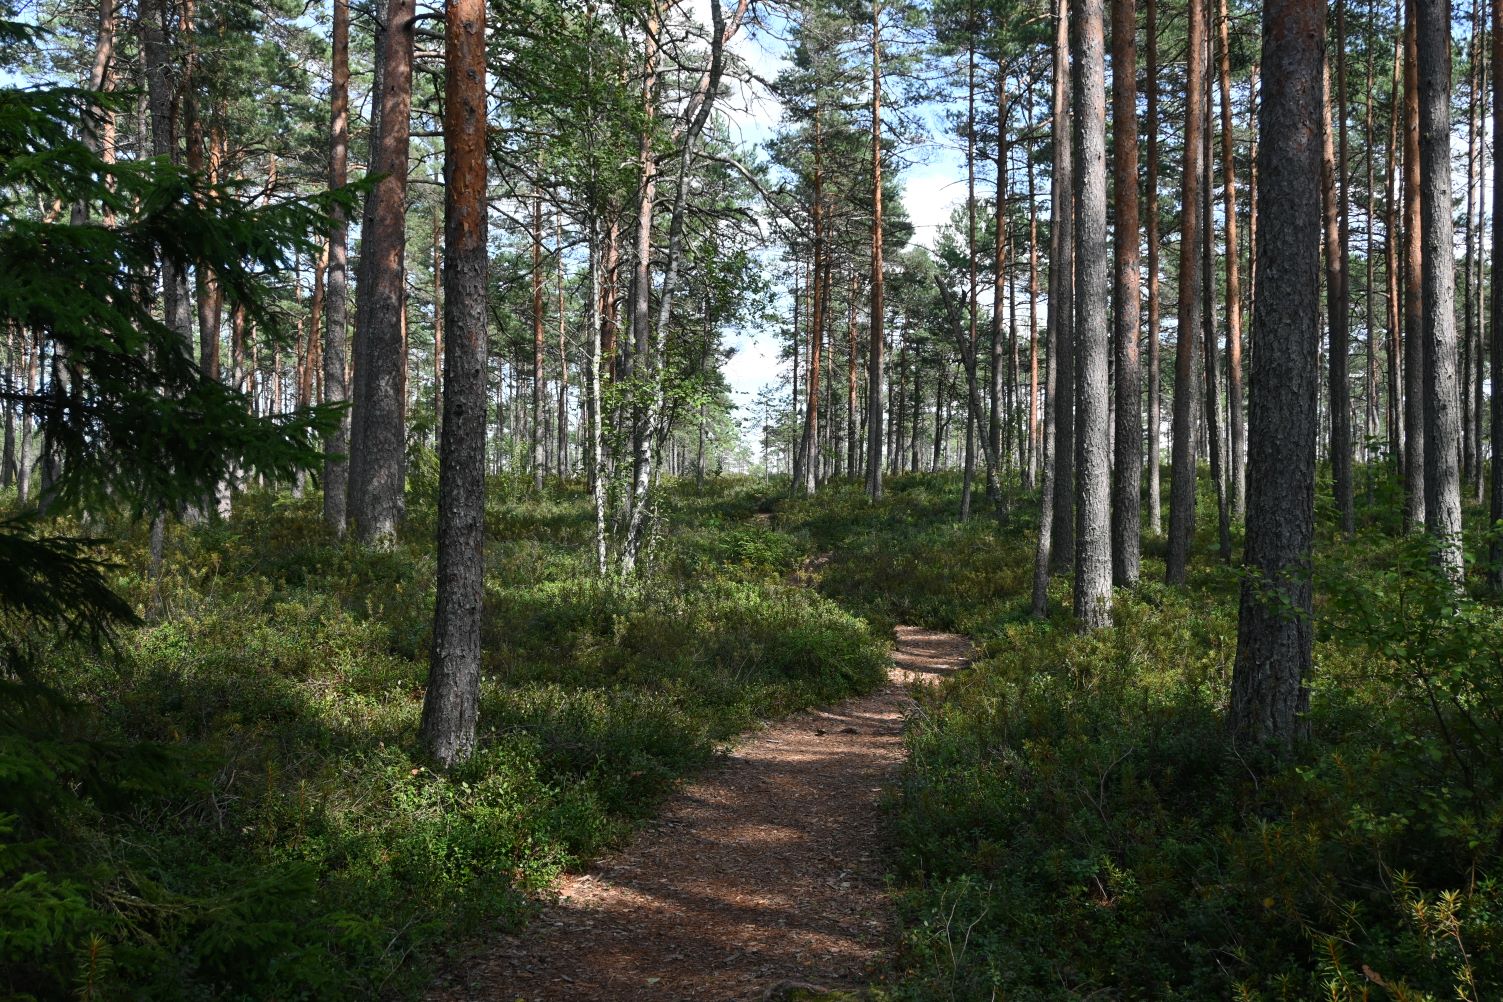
x=1074 y=823
x=231 y=803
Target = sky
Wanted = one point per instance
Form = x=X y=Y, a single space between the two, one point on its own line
x=932 y=185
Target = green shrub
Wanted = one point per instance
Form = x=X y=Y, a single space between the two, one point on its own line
x=1073 y=821
x=231 y=805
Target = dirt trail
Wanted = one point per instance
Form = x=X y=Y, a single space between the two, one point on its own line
x=766 y=870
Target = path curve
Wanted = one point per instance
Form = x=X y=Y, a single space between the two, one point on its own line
x=767 y=870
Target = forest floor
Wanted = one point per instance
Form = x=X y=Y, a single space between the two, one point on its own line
x=765 y=874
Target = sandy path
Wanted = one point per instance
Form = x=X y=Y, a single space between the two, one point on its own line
x=766 y=870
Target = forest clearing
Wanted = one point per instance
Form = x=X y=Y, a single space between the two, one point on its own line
x=867 y=501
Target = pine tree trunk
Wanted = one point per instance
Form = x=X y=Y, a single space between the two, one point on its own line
x=874 y=404
x=1186 y=376
x=451 y=705
x=968 y=474
x=29 y=385
x=1416 y=448
x=1151 y=187
x=438 y=331
x=8 y=455
x=1215 y=444
x=1478 y=279
x=1127 y=473
x=804 y=468
x=1042 y=556
x=1473 y=181
x=1442 y=401
x=997 y=410
x=1274 y=636
x=641 y=283
x=539 y=461
x=1333 y=200
x=336 y=390
x=1236 y=455
x=1061 y=292
x=1495 y=367
x=378 y=438
x=852 y=449
x=1370 y=382
x=562 y=421
x=1031 y=468
x=1391 y=260
x=1093 y=549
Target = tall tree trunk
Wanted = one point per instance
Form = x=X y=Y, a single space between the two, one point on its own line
x=915 y=406
x=968 y=474
x=1391 y=198
x=539 y=461
x=451 y=705
x=808 y=447
x=874 y=403
x=29 y=385
x=641 y=282
x=1274 y=634
x=562 y=421
x=1235 y=458
x=1495 y=369
x=1337 y=319
x=1215 y=444
x=1370 y=381
x=852 y=448
x=596 y=362
x=1416 y=448
x=1469 y=361
x=1478 y=279
x=1042 y=557
x=1442 y=401
x=1031 y=468
x=997 y=410
x=161 y=94
x=438 y=331
x=1093 y=549
x=8 y=455
x=1151 y=186
x=1252 y=204
x=336 y=390
x=1186 y=377
x=378 y=434
x=1061 y=292
x=648 y=436
x=1127 y=473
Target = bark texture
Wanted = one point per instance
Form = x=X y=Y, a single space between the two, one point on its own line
x=1093 y=550
x=1061 y=306
x=1236 y=460
x=1495 y=371
x=451 y=706
x=874 y=402
x=336 y=340
x=1414 y=340
x=1151 y=186
x=1442 y=401
x=1274 y=633
x=378 y=433
x=1337 y=306
x=1186 y=374
x=1127 y=472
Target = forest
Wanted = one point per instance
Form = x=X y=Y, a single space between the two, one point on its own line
x=751 y=499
